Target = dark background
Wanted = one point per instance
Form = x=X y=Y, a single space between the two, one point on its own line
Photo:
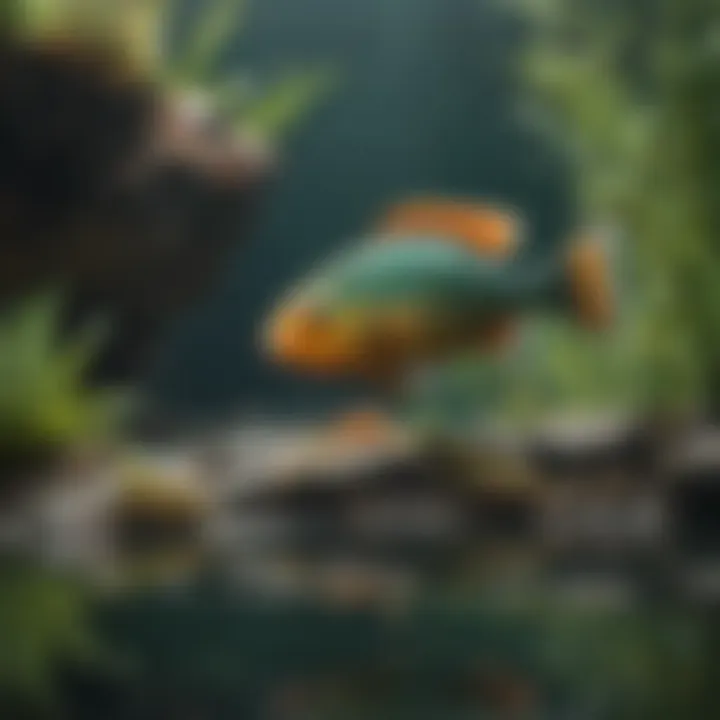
x=427 y=102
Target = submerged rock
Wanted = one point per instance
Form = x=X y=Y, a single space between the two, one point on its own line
x=128 y=195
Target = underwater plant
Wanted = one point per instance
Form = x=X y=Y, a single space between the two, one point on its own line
x=47 y=410
x=44 y=627
x=269 y=111
x=629 y=91
x=145 y=31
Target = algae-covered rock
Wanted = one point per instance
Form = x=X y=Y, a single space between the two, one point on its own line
x=156 y=501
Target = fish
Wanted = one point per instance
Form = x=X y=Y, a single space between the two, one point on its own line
x=437 y=278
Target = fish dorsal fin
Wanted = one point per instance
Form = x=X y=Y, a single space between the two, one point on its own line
x=481 y=228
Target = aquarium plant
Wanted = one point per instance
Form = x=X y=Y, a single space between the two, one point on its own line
x=47 y=409
x=629 y=92
x=190 y=57
x=43 y=625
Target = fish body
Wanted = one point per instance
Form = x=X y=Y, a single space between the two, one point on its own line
x=435 y=280
x=435 y=276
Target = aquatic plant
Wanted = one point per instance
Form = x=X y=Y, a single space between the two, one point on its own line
x=46 y=407
x=43 y=626
x=270 y=111
x=630 y=92
x=144 y=31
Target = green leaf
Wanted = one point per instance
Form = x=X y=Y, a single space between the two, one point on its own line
x=217 y=23
x=44 y=400
x=289 y=101
x=43 y=622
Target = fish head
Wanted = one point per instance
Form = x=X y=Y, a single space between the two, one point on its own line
x=354 y=321
x=309 y=339
x=313 y=330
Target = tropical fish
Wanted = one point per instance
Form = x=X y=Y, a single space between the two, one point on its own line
x=438 y=278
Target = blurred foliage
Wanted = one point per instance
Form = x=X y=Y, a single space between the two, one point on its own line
x=651 y=663
x=289 y=101
x=626 y=661
x=146 y=31
x=45 y=404
x=428 y=659
x=217 y=27
x=43 y=626
x=563 y=368
x=631 y=92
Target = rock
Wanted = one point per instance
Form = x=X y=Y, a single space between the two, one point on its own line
x=130 y=196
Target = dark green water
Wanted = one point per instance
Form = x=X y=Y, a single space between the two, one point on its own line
x=427 y=103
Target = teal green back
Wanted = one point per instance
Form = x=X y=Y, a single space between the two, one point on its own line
x=424 y=272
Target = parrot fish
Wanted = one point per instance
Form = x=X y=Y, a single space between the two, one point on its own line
x=438 y=278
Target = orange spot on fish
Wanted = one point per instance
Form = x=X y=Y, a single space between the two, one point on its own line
x=305 y=339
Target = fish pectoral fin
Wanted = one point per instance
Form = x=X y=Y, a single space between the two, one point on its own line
x=483 y=229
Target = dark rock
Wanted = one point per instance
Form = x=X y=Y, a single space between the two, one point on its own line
x=588 y=452
x=694 y=493
x=131 y=198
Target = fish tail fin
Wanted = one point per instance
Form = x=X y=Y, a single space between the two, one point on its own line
x=588 y=274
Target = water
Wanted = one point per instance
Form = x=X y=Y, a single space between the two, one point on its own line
x=426 y=103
